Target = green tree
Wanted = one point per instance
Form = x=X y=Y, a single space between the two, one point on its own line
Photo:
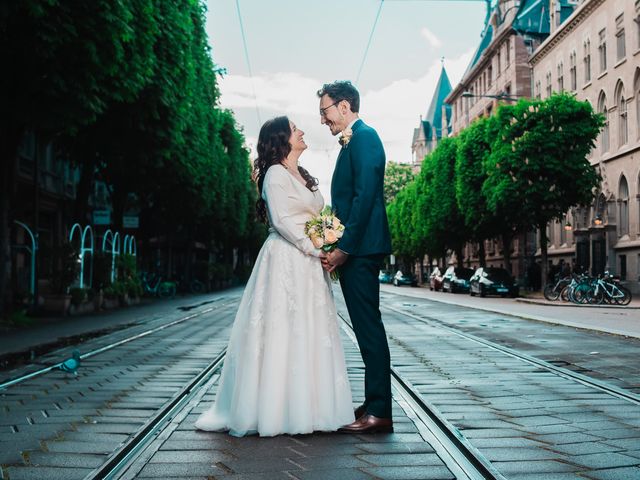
x=65 y=60
x=538 y=166
x=443 y=222
x=396 y=177
x=481 y=222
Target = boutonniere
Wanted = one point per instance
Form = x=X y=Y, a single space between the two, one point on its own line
x=345 y=137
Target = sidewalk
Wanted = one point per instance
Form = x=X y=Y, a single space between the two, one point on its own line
x=615 y=320
x=50 y=332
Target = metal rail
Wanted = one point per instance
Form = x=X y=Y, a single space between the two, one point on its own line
x=129 y=451
x=13 y=381
x=605 y=387
x=458 y=454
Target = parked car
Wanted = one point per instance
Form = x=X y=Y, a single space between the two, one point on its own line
x=456 y=279
x=385 y=277
x=435 y=280
x=404 y=279
x=492 y=281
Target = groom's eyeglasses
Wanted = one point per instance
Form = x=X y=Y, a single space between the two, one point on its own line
x=323 y=111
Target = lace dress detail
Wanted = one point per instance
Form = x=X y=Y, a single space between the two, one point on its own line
x=285 y=370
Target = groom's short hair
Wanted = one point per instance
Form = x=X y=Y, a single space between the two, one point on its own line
x=342 y=90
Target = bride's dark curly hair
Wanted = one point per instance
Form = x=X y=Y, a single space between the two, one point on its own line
x=273 y=148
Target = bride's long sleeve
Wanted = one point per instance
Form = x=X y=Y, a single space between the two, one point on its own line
x=275 y=194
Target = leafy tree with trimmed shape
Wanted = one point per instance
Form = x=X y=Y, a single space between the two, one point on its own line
x=538 y=167
x=64 y=60
x=481 y=222
x=444 y=226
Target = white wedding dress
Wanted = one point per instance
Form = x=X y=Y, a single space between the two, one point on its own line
x=284 y=371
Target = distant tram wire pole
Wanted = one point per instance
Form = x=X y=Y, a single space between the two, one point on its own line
x=366 y=50
x=246 y=57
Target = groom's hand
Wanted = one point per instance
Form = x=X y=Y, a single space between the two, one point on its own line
x=335 y=259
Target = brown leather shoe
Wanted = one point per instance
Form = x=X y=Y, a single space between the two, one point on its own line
x=369 y=424
x=361 y=410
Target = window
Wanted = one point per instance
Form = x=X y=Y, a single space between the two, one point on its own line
x=587 y=61
x=507 y=51
x=499 y=63
x=560 y=77
x=572 y=71
x=604 y=135
x=636 y=89
x=623 y=134
x=490 y=75
x=620 y=46
x=602 y=49
x=537 y=90
x=548 y=87
x=623 y=205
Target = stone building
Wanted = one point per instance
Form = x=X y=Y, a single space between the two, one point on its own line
x=436 y=123
x=595 y=53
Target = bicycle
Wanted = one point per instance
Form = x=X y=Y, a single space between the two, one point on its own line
x=576 y=291
x=609 y=291
x=153 y=285
x=552 y=291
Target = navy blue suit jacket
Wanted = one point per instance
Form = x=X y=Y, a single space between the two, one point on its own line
x=357 y=194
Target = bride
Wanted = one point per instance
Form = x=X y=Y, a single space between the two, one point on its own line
x=284 y=371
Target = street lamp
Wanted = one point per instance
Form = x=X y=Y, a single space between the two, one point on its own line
x=567 y=226
x=597 y=220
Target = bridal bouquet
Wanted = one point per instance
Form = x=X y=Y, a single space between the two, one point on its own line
x=324 y=231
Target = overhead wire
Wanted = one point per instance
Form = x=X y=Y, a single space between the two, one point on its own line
x=246 y=57
x=366 y=50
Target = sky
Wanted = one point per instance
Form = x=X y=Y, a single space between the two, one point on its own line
x=296 y=46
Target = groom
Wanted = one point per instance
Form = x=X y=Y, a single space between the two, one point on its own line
x=357 y=197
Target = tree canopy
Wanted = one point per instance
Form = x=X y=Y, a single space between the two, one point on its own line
x=516 y=170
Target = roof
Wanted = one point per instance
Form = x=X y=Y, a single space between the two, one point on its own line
x=533 y=17
x=486 y=37
x=433 y=119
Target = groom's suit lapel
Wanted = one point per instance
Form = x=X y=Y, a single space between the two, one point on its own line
x=343 y=150
x=342 y=156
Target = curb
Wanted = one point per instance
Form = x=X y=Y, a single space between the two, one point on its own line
x=546 y=303
x=536 y=318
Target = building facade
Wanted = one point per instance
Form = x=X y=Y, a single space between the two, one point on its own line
x=595 y=54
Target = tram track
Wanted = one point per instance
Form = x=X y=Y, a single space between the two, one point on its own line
x=4 y=384
x=466 y=462
x=126 y=455
x=585 y=380
x=458 y=454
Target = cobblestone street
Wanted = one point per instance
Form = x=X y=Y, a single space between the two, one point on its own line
x=534 y=400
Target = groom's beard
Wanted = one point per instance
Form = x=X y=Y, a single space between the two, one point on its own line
x=333 y=128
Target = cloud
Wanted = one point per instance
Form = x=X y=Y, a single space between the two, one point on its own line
x=431 y=37
x=394 y=111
